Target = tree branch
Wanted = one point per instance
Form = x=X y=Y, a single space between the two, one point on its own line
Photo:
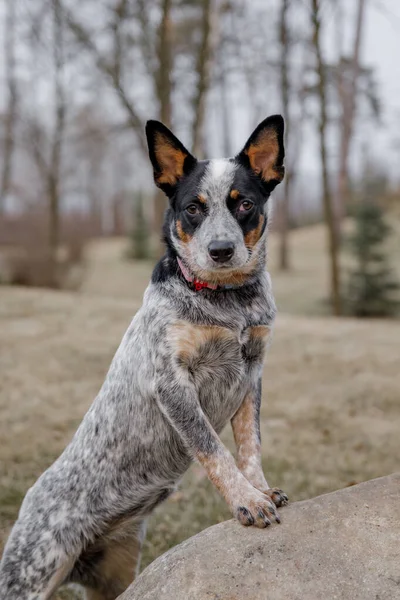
x=109 y=71
x=203 y=69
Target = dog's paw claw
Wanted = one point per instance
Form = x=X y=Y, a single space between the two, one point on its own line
x=244 y=516
x=259 y=512
x=278 y=497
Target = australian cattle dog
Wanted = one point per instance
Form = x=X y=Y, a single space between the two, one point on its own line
x=190 y=361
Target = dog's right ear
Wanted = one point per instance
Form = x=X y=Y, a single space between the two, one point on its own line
x=168 y=155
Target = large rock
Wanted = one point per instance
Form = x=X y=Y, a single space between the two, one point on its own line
x=344 y=545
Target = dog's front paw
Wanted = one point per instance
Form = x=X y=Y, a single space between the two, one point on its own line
x=278 y=497
x=257 y=510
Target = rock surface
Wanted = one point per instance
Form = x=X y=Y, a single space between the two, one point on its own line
x=344 y=545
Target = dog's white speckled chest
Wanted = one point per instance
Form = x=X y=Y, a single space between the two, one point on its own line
x=220 y=362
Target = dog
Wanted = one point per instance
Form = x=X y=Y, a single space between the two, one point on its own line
x=190 y=361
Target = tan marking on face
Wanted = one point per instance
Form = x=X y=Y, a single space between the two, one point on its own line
x=187 y=339
x=170 y=159
x=263 y=155
x=252 y=237
x=183 y=236
x=234 y=194
x=202 y=199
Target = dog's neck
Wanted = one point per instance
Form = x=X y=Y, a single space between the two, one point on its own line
x=202 y=284
x=224 y=307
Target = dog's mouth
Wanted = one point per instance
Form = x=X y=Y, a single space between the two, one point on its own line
x=230 y=266
x=223 y=274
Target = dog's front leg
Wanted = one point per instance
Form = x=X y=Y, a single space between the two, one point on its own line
x=246 y=431
x=179 y=402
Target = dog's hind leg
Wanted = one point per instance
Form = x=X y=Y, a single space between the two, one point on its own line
x=57 y=579
x=108 y=567
x=34 y=563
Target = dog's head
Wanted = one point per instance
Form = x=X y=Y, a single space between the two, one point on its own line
x=218 y=208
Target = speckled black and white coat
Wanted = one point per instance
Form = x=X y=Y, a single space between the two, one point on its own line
x=189 y=363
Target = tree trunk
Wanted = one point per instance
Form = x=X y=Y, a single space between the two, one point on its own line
x=11 y=112
x=348 y=95
x=284 y=81
x=163 y=87
x=110 y=71
x=54 y=172
x=224 y=112
x=203 y=70
x=165 y=64
x=327 y=198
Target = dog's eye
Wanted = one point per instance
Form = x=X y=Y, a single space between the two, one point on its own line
x=192 y=209
x=246 y=205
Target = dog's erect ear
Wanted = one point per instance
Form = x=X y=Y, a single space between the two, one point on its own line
x=264 y=151
x=168 y=155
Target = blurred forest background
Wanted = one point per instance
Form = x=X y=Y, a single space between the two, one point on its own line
x=81 y=78
x=80 y=219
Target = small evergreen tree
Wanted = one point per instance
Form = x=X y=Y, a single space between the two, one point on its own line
x=140 y=236
x=372 y=287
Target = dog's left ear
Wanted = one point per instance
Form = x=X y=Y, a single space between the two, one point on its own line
x=264 y=151
x=168 y=155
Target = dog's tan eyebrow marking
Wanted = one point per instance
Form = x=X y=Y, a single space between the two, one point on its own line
x=234 y=194
x=183 y=236
x=251 y=238
x=201 y=198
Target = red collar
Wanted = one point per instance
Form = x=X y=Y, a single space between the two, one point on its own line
x=197 y=284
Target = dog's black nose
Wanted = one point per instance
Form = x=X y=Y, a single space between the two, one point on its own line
x=221 y=251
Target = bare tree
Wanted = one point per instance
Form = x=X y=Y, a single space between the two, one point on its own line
x=54 y=169
x=333 y=243
x=293 y=68
x=159 y=62
x=163 y=80
x=164 y=90
x=203 y=70
x=285 y=94
x=45 y=144
x=87 y=145
x=347 y=88
x=111 y=69
x=11 y=111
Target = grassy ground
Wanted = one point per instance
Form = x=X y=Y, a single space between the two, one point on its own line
x=331 y=409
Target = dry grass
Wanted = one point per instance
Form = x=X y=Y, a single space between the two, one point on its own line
x=331 y=411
